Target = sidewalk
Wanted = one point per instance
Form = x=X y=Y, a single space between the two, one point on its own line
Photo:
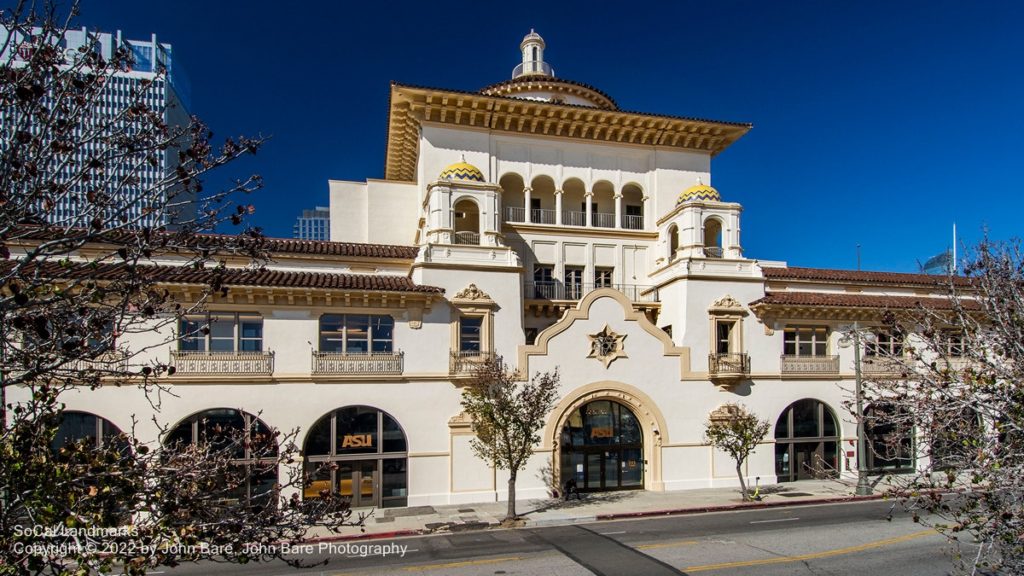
x=394 y=522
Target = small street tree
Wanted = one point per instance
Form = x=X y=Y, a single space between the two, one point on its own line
x=735 y=431
x=81 y=237
x=957 y=394
x=507 y=415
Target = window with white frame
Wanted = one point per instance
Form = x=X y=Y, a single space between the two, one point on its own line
x=221 y=332
x=805 y=341
x=357 y=333
x=884 y=343
x=951 y=344
x=603 y=277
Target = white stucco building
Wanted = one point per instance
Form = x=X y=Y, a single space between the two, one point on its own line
x=536 y=220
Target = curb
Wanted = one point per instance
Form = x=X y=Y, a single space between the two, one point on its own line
x=614 y=516
x=741 y=506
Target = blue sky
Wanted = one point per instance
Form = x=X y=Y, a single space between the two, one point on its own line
x=875 y=123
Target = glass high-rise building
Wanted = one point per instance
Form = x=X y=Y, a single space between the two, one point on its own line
x=314 y=224
x=157 y=81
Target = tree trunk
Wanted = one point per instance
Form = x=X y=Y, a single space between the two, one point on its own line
x=511 y=515
x=743 y=485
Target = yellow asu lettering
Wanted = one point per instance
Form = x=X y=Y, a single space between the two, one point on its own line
x=357 y=441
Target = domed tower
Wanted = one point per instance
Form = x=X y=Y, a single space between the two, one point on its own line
x=534 y=79
x=701 y=226
x=462 y=208
x=532 y=47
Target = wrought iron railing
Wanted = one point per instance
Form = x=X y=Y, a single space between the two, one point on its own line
x=212 y=363
x=465 y=361
x=632 y=222
x=466 y=238
x=542 y=216
x=574 y=218
x=602 y=220
x=880 y=365
x=515 y=214
x=113 y=362
x=348 y=363
x=571 y=291
x=728 y=364
x=810 y=364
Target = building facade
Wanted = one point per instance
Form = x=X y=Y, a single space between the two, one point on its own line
x=535 y=220
x=157 y=81
x=314 y=224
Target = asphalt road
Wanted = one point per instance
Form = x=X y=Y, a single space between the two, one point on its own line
x=836 y=539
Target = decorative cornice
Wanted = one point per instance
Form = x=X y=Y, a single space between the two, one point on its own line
x=727 y=305
x=471 y=292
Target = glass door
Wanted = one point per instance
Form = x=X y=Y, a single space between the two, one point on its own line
x=357 y=480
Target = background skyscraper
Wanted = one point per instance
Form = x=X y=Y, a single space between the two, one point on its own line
x=163 y=88
x=314 y=224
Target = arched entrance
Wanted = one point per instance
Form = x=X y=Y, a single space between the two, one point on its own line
x=602 y=447
x=359 y=452
x=806 y=442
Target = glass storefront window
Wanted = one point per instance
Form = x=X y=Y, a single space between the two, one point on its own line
x=602 y=447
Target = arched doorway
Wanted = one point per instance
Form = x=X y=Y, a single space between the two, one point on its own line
x=602 y=447
x=247 y=440
x=359 y=452
x=806 y=442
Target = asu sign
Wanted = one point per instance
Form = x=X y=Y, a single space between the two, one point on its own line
x=357 y=441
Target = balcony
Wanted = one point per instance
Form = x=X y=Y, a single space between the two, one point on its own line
x=632 y=222
x=881 y=366
x=374 y=363
x=532 y=67
x=728 y=369
x=574 y=218
x=560 y=291
x=220 y=363
x=464 y=362
x=466 y=238
x=712 y=252
x=799 y=365
x=113 y=362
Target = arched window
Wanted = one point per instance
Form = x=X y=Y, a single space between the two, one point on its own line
x=806 y=442
x=466 y=222
x=359 y=452
x=250 y=444
x=673 y=241
x=77 y=426
x=888 y=431
x=713 y=238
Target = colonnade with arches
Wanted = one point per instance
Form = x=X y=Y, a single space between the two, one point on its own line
x=572 y=204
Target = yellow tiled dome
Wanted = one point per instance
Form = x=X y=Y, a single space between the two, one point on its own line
x=462 y=171
x=699 y=192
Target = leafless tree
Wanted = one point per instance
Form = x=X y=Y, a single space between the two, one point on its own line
x=955 y=394
x=76 y=284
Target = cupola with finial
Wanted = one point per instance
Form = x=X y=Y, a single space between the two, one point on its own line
x=533 y=63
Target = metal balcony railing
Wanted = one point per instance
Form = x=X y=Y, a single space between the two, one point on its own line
x=810 y=364
x=877 y=365
x=573 y=218
x=465 y=361
x=542 y=216
x=349 y=363
x=562 y=291
x=712 y=252
x=728 y=364
x=466 y=238
x=214 y=363
x=631 y=222
x=515 y=214
x=602 y=220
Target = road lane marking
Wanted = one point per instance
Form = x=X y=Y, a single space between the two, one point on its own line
x=776 y=520
x=610 y=533
x=665 y=544
x=426 y=567
x=812 y=556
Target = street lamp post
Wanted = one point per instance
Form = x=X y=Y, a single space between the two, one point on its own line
x=863 y=486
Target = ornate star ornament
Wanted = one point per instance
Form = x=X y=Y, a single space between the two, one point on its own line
x=606 y=346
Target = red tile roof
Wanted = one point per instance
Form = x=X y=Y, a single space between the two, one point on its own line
x=229 y=243
x=829 y=275
x=242 y=277
x=821 y=299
